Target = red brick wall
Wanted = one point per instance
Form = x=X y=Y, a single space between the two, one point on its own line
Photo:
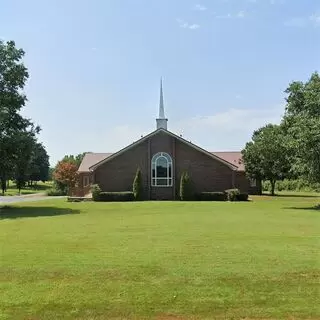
x=206 y=173
x=118 y=173
x=243 y=183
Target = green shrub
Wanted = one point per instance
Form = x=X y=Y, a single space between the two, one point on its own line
x=232 y=194
x=266 y=186
x=242 y=197
x=116 y=196
x=95 y=190
x=211 y=196
x=56 y=193
x=186 y=193
x=292 y=185
x=137 y=187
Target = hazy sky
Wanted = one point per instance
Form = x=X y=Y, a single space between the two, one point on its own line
x=95 y=67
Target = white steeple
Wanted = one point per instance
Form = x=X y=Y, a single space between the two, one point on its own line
x=162 y=121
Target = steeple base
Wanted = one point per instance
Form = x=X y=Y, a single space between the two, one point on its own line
x=162 y=124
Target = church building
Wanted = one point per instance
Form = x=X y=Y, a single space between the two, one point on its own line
x=163 y=157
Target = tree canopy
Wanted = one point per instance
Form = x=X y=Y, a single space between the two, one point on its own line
x=291 y=149
x=265 y=157
x=17 y=134
x=302 y=126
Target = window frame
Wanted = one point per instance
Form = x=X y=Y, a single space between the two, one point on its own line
x=86 y=179
x=169 y=177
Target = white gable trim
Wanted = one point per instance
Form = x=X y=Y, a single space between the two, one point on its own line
x=230 y=165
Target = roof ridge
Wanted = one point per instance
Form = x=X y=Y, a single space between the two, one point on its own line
x=230 y=164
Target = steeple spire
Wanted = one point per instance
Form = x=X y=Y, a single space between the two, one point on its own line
x=161 y=106
x=161 y=121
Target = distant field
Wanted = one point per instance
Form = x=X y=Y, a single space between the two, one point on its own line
x=39 y=188
x=161 y=260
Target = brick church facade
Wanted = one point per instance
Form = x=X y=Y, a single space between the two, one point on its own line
x=162 y=158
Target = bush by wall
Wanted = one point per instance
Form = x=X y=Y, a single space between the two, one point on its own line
x=186 y=192
x=232 y=194
x=116 y=196
x=56 y=193
x=137 y=187
x=242 y=197
x=95 y=190
x=211 y=196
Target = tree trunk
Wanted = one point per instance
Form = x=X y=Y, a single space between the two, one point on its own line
x=3 y=185
x=273 y=185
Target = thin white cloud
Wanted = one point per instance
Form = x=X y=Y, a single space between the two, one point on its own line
x=315 y=19
x=296 y=22
x=226 y=130
x=229 y=129
x=300 y=22
x=185 y=25
x=194 y=26
x=272 y=2
x=224 y=16
x=200 y=7
x=241 y=14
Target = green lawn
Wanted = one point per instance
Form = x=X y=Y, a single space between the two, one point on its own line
x=39 y=188
x=161 y=260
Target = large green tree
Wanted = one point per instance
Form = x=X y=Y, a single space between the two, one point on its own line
x=266 y=156
x=13 y=126
x=304 y=98
x=302 y=126
x=39 y=164
x=26 y=142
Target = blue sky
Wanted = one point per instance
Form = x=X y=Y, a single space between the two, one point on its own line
x=95 y=67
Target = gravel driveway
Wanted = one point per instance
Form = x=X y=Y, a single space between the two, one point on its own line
x=26 y=198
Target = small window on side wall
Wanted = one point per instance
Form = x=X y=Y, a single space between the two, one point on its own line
x=253 y=183
x=86 y=181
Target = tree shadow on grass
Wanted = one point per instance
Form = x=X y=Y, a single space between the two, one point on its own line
x=315 y=208
x=12 y=212
x=294 y=195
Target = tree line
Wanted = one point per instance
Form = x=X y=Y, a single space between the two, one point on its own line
x=291 y=149
x=22 y=158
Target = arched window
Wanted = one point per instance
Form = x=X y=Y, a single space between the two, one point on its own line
x=161 y=170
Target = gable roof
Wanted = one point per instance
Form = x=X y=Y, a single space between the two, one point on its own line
x=234 y=157
x=91 y=159
x=212 y=155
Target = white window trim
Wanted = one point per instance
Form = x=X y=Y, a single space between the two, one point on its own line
x=169 y=179
x=86 y=181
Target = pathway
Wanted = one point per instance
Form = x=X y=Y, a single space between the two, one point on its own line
x=26 y=198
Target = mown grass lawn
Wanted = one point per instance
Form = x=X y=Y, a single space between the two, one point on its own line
x=40 y=187
x=161 y=260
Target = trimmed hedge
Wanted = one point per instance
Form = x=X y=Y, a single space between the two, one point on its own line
x=116 y=196
x=232 y=194
x=56 y=193
x=211 y=196
x=242 y=197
